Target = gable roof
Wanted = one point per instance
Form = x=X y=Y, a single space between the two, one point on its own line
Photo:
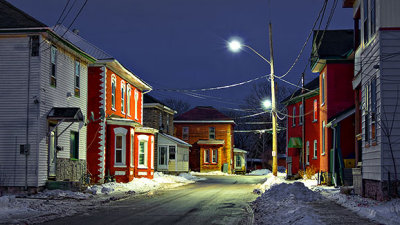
x=150 y=99
x=203 y=114
x=12 y=17
x=312 y=86
x=151 y=102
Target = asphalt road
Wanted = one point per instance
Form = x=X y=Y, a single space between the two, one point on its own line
x=217 y=200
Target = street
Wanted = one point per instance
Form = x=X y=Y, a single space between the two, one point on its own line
x=216 y=200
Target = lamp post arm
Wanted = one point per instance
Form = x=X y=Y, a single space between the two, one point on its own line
x=252 y=49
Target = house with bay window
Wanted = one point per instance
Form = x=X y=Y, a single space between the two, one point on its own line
x=376 y=84
x=43 y=97
x=210 y=133
x=119 y=146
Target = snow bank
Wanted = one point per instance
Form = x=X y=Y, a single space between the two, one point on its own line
x=283 y=203
x=261 y=172
x=189 y=176
x=213 y=173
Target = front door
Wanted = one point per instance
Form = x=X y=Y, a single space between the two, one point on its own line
x=162 y=157
x=52 y=153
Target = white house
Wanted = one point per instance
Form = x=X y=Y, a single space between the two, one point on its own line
x=377 y=82
x=43 y=98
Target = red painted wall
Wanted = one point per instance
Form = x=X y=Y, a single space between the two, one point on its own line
x=294 y=131
x=312 y=130
x=347 y=137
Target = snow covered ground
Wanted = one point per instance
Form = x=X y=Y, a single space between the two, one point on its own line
x=52 y=204
x=261 y=172
x=285 y=202
x=213 y=173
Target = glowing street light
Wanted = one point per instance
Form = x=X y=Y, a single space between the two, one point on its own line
x=235 y=45
x=266 y=104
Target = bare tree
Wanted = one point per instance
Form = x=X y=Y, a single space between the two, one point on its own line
x=178 y=105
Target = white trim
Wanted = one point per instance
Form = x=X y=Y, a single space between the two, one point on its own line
x=145 y=139
x=132 y=148
x=204 y=121
x=315 y=150
x=152 y=152
x=119 y=173
x=142 y=173
x=113 y=81
x=123 y=89
x=136 y=96
x=123 y=150
x=120 y=130
x=128 y=99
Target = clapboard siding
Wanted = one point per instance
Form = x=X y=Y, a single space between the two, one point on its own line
x=57 y=97
x=371 y=155
x=390 y=69
x=388 y=13
x=14 y=69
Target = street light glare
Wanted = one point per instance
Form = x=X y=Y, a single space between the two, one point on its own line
x=235 y=46
x=267 y=104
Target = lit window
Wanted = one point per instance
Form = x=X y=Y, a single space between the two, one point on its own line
x=77 y=78
x=185 y=133
x=211 y=132
x=315 y=110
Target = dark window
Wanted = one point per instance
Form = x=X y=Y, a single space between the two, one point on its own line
x=118 y=149
x=35 y=45
x=211 y=132
x=53 y=62
x=113 y=83
x=185 y=133
x=74 y=142
x=373 y=109
x=215 y=156
x=373 y=16
x=171 y=152
x=238 y=161
x=77 y=78
x=366 y=113
x=207 y=156
x=365 y=8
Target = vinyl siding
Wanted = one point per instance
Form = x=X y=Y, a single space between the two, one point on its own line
x=390 y=82
x=14 y=58
x=388 y=13
x=57 y=97
x=371 y=154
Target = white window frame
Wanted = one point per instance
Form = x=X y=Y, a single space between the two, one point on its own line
x=301 y=118
x=323 y=138
x=315 y=110
x=136 y=96
x=152 y=152
x=120 y=132
x=207 y=152
x=132 y=147
x=307 y=153
x=128 y=99
x=185 y=131
x=113 y=90
x=77 y=73
x=122 y=97
x=315 y=149
x=294 y=116
x=143 y=139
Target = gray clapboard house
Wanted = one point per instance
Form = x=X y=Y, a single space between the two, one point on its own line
x=43 y=98
x=377 y=82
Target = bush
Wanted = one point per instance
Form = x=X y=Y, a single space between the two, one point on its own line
x=308 y=174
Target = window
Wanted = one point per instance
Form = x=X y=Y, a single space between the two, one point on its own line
x=315 y=149
x=373 y=109
x=211 y=132
x=74 y=145
x=323 y=138
x=172 y=152
x=119 y=149
x=77 y=78
x=35 y=45
x=113 y=88
x=186 y=156
x=160 y=123
x=185 y=133
x=294 y=117
x=373 y=17
x=162 y=157
x=136 y=93
x=142 y=153
x=323 y=89
x=207 y=156
x=132 y=146
x=315 y=113
x=152 y=152
x=128 y=100
x=366 y=112
x=301 y=114
x=238 y=161
x=307 y=153
x=365 y=22
x=53 y=62
x=215 y=156
x=122 y=97
x=167 y=128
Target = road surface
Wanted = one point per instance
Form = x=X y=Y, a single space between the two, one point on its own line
x=216 y=200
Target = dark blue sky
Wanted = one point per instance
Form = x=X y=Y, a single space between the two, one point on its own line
x=180 y=44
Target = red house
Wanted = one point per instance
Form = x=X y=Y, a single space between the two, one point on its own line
x=333 y=60
x=303 y=124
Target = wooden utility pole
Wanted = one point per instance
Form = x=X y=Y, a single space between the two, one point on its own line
x=274 y=117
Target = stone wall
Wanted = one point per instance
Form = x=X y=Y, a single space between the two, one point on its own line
x=70 y=170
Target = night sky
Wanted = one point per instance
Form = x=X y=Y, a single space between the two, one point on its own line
x=181 y=44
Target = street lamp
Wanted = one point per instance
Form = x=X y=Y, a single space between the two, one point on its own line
x=236 y=46
x=266 y=104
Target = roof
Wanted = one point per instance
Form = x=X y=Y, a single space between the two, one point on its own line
x=81 y=43
x=341 y=115
x=66 y=114
x=151 y=102
x=203 y=114
x=175 y=139
x=211 y=142
x=238 y=150
x=12 y=17
x=150 y=99
x=312 y=85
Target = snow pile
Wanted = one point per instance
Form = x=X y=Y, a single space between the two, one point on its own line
x=284 y=203
x=189 y=176
x=274 y=180
x=261 y=172
x=382 y=212
x=62 y=194
x=213 y=173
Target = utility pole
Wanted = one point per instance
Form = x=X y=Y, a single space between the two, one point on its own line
x=274 y=117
